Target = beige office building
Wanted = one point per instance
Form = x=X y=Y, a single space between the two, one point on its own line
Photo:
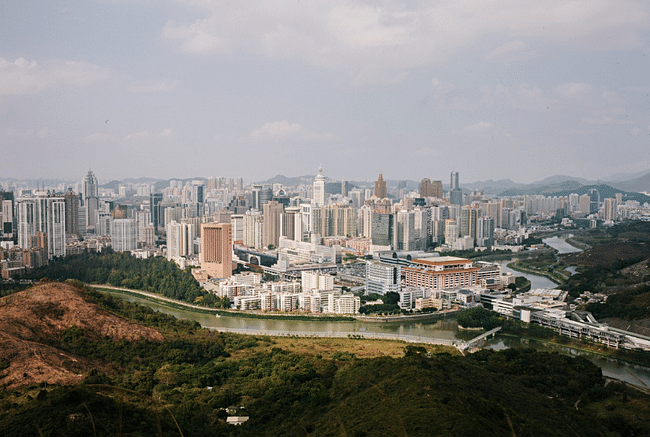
x=216 y=249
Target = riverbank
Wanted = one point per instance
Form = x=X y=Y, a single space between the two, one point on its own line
x=518 y=268
x=224 y=312
x=407 y=318
x=627 y=356
x=577 y=244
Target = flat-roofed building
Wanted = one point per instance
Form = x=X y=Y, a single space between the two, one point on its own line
x=446 y=272
x=216 y=249
x=382 y=278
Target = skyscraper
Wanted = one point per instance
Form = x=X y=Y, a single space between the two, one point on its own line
x=436 y=187
x=216 y=249
x=90 y=199
x=426 y=190
x=271 y=226
x=453 y=184
x=154 y=207
x=319 y=188
x=44 y=212
x=380 y=187
x=455 y=193
x=71 y=213
x=124 y=233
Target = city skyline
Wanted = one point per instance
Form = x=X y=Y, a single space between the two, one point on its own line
x=500 y=90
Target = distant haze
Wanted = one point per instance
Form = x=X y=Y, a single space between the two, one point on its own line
x=182 y=88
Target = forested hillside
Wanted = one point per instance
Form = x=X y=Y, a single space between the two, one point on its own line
x=189 y=383
x=120 y=269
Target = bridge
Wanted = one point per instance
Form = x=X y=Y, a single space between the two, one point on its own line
x=466 y=344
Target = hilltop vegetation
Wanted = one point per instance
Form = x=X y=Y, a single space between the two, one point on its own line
x=187 y=383
x=618 y=265
x=120 y=269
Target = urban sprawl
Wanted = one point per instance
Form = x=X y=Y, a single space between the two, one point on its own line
x=318 y=245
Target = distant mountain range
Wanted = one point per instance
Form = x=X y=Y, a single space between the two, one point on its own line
x=559 y=185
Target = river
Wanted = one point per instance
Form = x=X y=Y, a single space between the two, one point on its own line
x=631 y=373
x=438 y=329
x=558 y=242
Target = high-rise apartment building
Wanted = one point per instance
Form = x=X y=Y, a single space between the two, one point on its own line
x=216 y=249
x=155 y=199
x=426 y=189
x=272 y=220
x=436 y=187
x=610 y=209
x=72 y=213
x=380 y=187
x=124 y=235
x=382 y=229
x=319 y=188
x=44 y=212
x=180 y=239
x=6 y=214
x=253 y=229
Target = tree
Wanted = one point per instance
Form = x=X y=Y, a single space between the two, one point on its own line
x=390 y=298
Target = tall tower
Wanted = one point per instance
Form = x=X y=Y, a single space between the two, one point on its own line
x=216 y=249
x=454 y=181
x=426 y=189
x=271 y=227
x=71 y=213
x=380 y=187
x=455 y=193
x=90 y=198
x=319 y=188
x=154 y=207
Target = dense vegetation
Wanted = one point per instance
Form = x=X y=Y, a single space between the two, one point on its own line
x=631 y=304
x=120 y=269
x=479 y=317
x=190 y=382
x=389 y=306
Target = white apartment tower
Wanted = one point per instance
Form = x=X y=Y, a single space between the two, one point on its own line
x=44 y=213
x=124 y=235
x=319 y=188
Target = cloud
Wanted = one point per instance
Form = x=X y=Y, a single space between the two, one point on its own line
x=573 y=90
x=483 y=128
x=285 y=131
x=97 y=137
x=509 y=52
x=152 y=86
x=380 y=40
x=24 y=77
x=43 y=132
x=604 y=120
x=136 y=135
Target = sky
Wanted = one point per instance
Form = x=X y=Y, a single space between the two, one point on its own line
x=493 y=89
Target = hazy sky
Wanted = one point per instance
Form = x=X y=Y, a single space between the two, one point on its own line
x=519 y=89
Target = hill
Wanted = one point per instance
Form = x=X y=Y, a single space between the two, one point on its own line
x=32 y=324
x=188 y=383
x=567 y=187
x=641 y=183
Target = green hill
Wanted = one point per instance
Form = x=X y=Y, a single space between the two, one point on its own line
x=189 y=383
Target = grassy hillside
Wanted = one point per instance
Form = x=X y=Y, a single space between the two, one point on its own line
x=187 y=384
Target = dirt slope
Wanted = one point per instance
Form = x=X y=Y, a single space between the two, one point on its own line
x=32 y=322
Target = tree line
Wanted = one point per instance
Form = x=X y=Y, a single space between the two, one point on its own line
x=120 y=269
